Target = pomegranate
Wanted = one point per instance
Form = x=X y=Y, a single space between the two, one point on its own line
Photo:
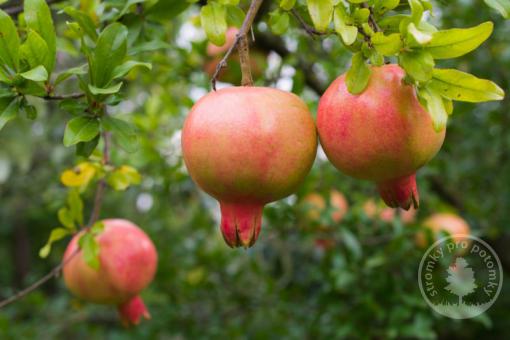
x=316 y=204
x=248 y=146
x=374 y=210
x=445 y=222
x=383 y=134
x=128 y=261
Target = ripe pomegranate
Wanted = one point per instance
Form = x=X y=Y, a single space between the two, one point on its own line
x=376 y=211
x=316 y=204
x=383 y=134
x=444 y=222
x=248 y=146
x=232 y=73
x=128 y=261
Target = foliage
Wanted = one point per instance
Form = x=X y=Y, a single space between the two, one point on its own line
x=132 y=69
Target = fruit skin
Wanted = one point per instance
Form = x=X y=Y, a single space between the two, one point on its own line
x=447 y=222
x=383 y=134
x=248 y=146
x=316 y=204
x=128 y=261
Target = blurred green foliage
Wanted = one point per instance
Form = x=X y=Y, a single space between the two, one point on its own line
x=287 y=285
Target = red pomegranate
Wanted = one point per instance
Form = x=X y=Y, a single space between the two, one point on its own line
x=449 y=223
x=383 y=134
x=128 y=261
x=248 y=146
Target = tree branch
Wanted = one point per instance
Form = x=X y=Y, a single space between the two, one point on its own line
x=65 y=96
x=244 y=60
x=98 y=201
x=245 y=27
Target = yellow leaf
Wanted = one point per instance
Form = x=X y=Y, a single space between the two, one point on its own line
x=80 y=176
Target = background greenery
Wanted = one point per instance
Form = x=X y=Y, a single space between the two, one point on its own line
x=285 y=286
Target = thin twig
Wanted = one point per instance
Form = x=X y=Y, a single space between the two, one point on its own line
x=248 y=21
x=96 y=209
x=101 y=185
x=64 y=96
x=53 y=273
x=371 y=19
x=309 y=29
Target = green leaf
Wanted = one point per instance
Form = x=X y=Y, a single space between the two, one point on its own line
x=383 y=6
x=86 y=23
x=38 y=18
x=417 y=36
x=347 y=32
x=35 y=51
x=456 y=42
x=321 y=12
x=123 y=133
x=166 y=10
x=121 y=178
x=148 y=46
x=9 y=42
x=109 y=90
x=38 y=73
x=66 y=218
x=127 y=6
x=461 y=86
x=387 y=45
x=85 y=149
x=97 y=228
x=30 y=111
x=122 y=70
x=279 y=22
x=436 y=108
x=287 y=4
x=55 y=235
x=418 y=64
x=90 y=249
x=80 y=129
x=75 y=205
x=358 y=76
x=416 y=11
x=502 y=6
x=214 y=21
x=235 y=16
x=80 y=70
x=9 y=112
x=109 y=53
